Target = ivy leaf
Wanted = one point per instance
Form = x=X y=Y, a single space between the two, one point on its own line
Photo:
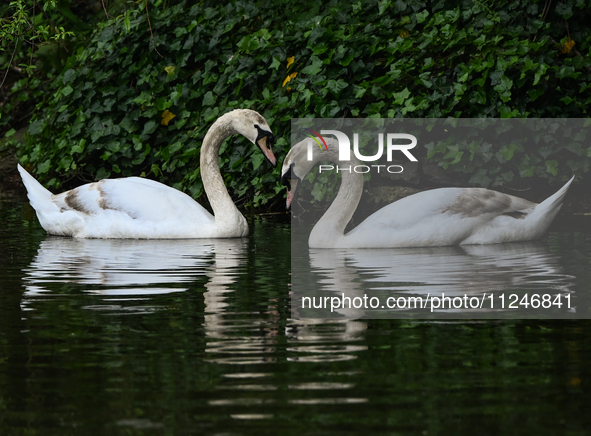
x=44 y=167
x=564 y=10
x=129 y=124
x=209 y=99
x=507 y=151
x=539 y=73
x=336 y=86
x=314 y=68
x=552 y=167
x=67 y=90
x=318 y=191
x=150 y=127
x=276 y=63
x=383 y=5
x=504 y=88
x=480 y=178
x=69 y=76
x=257 y=159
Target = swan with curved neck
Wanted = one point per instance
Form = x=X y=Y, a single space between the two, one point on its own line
x=136 y=207
x=444 y=216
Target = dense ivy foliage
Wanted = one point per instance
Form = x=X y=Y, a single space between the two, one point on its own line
x=34 y=44
x=140 y=96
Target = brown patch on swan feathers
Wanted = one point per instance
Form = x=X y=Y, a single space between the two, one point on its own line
x=474 y=202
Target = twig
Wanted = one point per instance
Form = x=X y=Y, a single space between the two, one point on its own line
x=272 y=213
x=546 y=9
x=105 y=9
x=31 y=53
x=151 y=32
x=9 y=63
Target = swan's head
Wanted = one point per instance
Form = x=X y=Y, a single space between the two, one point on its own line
x=297 y=164
x=253 y=126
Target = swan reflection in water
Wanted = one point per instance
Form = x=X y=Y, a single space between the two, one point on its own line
x=126 y=275
x=123 y=268
x=472 y=270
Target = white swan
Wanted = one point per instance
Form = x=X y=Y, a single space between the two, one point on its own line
x=135 y=207
x=445 y=216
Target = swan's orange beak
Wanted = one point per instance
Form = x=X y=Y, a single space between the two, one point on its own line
x=292 y=184
x=265 y=143
x=289 y=199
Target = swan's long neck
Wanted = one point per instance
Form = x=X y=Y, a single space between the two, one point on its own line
x=224 y=209
x=331 y=227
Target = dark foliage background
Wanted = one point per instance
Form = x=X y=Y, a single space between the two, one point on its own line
x=105 y=109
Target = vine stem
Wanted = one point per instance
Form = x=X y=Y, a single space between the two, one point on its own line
x=151 y=32
x=8 y=66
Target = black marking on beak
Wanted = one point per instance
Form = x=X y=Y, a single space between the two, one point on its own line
x=285 y=181
x=268 y=143
x=263 y=133
x=286 y=178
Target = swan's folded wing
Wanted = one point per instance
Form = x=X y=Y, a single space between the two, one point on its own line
x=140 y=199
x=479 y=202
x=409 y=211
x=457 y=209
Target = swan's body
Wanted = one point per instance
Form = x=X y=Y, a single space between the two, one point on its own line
x=445 y=216
x=134 y=207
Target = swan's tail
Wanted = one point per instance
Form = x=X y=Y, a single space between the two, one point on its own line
x=547 y=210
x=555 y=201
x=39 y=197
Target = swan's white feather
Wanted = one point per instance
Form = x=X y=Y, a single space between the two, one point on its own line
x=119 y=208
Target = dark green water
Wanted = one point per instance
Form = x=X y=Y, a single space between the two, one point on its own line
x=195 y=337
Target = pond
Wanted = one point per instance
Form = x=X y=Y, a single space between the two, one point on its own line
x=196 y=337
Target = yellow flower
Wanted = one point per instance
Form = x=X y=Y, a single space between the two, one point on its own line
x=567 y=46
x=290 y=61
x=288 y=78
x=166 y=117
x=170 y=70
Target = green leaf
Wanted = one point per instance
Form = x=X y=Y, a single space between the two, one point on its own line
x=507 y=151
x=150 y=127
x=102 y=173
x=36 y=127
x=257 y=159
x=129 y=124
x=67 y=90
x=69 y=76
x=276 y=63
x=209 y=99
x=528 y=172
x=336 y=86
x=383 y=5
x=79 y=148
x=552 y=167
x=313 y=68
x=539 y=73
x=44 y=167
x=318 y=191
x=127 y=23
x=421 y=16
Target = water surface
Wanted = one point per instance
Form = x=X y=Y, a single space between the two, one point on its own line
x=196 y=337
